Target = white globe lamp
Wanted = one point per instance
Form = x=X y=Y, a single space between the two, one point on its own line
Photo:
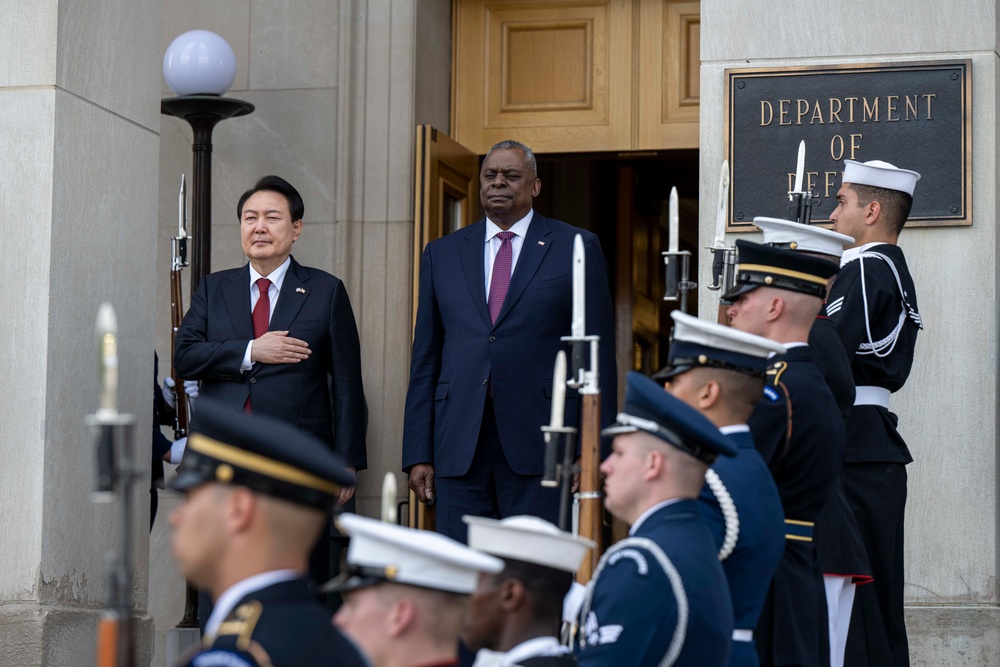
x=199 y=62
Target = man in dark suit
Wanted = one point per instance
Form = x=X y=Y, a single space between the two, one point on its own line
x=289 y=350
x=495 y=298
x=258 y=494
x=658 y=597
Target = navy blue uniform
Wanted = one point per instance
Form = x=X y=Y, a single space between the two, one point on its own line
x=281 y=625
x=879 y=341
x=799 y=431
x=837 y=538
x=761 y=537
x=633 y=612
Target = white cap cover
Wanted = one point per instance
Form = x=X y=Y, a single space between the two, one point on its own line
x=415 y=557
x=880 y=174
x=529 y=539
x=690 y=329
x=805 y=238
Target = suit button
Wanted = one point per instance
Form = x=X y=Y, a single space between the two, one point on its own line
x=253 y=380
x=493 y=339
x=485 y=380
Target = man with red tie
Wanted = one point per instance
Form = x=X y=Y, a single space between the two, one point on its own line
x=277 y=338
x=495 y=298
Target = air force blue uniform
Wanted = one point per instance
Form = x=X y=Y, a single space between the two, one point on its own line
x=634 y=616
x=661 y=592
x=761 y=538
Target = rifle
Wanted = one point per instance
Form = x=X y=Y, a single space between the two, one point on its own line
x=178 y=261
x=677 y=262
x=723 y=258
x=584 y=378
x=115 y=475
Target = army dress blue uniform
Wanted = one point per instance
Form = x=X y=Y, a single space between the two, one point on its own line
x=798 y=430
x=633 y=616
x=880 y=342
x=256 y=632
x=760 y=542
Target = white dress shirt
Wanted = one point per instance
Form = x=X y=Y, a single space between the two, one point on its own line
x=493 y=243
x=277 y=277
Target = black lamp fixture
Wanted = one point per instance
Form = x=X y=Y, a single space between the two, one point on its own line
x=200 y=66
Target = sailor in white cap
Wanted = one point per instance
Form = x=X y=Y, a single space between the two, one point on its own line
x=873 y=305
x=720 y=371
x=836 y=535
x=518 y=610
x=405 y=592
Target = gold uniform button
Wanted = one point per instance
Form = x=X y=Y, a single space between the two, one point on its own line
x=224 y=473
x=391 y=571
x=702 y=359
x=793 y=245
x=768 y=280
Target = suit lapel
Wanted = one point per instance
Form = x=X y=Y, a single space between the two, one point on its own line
x=472 y=254
x=293 y=294
x=533 y=249
x=236 y=294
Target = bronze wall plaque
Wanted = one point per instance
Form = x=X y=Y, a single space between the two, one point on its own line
x=916 y=115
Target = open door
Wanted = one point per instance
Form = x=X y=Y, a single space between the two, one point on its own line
x=447 y=183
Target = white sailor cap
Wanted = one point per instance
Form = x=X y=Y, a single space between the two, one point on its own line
x=805 y=238
x=383 y=552
x=697 y=343
x=529 y=539
x=880 y=174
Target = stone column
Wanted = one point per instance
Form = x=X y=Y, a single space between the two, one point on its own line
x=947 y=410
x=79 y=122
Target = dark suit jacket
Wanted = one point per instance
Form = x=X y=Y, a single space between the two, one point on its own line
x=282 y=625
x=323 y=395
x=456 y=349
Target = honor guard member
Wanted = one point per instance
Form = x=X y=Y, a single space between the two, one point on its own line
x=518 y=610
x=798 y=430
x=873 y=305
x=720 y=372
x=658 y=597
x=258 y=495
x=836 y=535
x=405 y=592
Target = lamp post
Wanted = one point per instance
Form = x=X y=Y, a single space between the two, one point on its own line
x=200 y=66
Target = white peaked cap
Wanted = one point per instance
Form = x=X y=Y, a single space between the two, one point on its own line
x=691 y=330
x=805 y=238
x=529 y=539
x=880 y=174
x=415 y=557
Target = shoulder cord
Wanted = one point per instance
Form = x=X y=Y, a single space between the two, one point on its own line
x=879 y=349
x=676 y=584
x=729 y=513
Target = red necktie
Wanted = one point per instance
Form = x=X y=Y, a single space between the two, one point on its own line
x=501 y=275
x=261 y=317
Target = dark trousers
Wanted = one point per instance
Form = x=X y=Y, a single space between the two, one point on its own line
x=877 y=494
x=490 y=488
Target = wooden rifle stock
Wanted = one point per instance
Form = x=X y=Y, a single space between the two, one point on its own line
x=181 y=417
x=591 y=523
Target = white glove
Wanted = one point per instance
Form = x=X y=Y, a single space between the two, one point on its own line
x=176 y=452
x=169 y=395
x=191 y=389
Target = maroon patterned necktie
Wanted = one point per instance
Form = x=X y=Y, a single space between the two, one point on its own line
x=501 y=275
x=261 y=317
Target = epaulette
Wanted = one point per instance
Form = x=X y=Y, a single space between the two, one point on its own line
x=774 y=372
x=241 y=622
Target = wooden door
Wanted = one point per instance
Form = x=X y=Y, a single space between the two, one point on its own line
x=446 y=199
